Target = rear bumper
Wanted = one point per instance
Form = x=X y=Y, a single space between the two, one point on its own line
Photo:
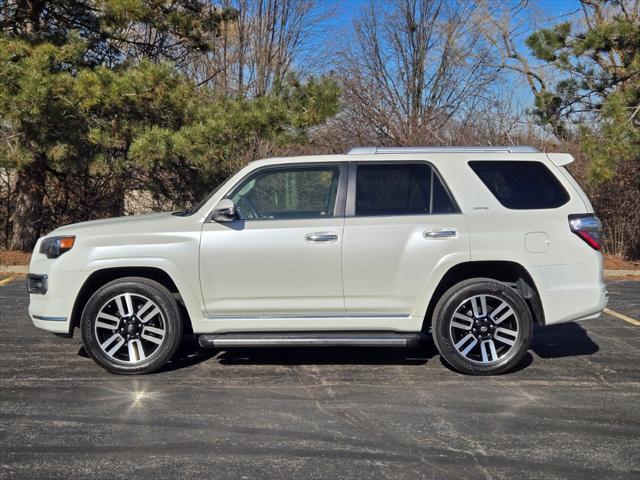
x=571 y=292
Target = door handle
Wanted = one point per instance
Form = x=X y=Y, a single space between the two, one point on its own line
x=321 y=237
x=441 y=233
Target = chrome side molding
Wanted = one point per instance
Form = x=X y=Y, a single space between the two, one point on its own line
x=328 y=316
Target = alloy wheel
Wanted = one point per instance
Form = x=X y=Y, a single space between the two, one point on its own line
x=484 y=329
x=130 y=328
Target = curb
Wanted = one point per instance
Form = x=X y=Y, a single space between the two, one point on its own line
x=621 y=273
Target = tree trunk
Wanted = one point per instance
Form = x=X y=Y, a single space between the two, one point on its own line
x=27 y=216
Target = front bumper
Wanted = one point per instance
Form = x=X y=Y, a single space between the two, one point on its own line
x=50 y=313
x=52 y=292
x=37 y=283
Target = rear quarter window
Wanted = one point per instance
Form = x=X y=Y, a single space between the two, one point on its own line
x=521 y=185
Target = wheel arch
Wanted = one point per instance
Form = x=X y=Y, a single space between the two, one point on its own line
x=101 y=277
x=509 y=272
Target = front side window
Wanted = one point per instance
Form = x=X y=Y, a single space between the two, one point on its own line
x=400 y=189
x=521 y=185
x=288 y=193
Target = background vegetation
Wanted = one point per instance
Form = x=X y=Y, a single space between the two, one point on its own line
x=110 y=107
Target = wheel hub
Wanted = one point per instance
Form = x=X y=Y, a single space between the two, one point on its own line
x=132 y=327
x=483 y=327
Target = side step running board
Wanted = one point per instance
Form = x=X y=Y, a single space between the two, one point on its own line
x=310 y=339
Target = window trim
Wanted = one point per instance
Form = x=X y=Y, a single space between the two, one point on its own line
x=341 y=194
x=495 y=197
x=351 y=189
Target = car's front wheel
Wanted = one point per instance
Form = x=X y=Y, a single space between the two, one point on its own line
x=131 y=326
x=482 y=327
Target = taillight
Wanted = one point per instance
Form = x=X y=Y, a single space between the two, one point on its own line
x=588 y=227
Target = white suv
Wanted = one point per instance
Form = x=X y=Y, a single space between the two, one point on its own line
x=374 y=248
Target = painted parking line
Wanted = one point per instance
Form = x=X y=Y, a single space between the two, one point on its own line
x=8 y=280
x=622 y=316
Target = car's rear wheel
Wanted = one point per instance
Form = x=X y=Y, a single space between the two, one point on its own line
x=131 y=326
x=482 y=327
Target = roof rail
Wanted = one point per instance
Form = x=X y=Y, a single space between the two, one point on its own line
x=391 y=150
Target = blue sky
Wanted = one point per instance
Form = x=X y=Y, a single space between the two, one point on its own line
x=337 y=28
x=346 y=10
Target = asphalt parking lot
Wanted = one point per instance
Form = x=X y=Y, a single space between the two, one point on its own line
x=572 y=410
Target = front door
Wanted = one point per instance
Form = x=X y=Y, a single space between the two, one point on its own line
x=282 y=257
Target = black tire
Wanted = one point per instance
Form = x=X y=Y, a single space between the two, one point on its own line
x=148 y=355
x=491 y=353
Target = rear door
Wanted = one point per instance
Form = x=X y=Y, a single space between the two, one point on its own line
x=401 y=223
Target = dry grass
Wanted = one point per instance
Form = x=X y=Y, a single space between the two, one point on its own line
x=14 y=257
x=615 y=263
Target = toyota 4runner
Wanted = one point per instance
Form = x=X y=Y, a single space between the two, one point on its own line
x=375 y=248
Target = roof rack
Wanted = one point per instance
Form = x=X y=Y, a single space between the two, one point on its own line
x=391 y=150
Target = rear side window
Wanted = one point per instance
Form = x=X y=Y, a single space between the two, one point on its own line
x=521 y=185
x=400 y=189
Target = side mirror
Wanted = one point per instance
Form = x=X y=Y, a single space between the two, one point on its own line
x=224 y=211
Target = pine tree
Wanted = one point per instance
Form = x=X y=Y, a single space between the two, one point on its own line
x=97 y=112
x=597 y=99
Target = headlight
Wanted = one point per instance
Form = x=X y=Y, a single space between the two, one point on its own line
x=53 y=247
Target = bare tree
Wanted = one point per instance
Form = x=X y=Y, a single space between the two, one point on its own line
x=259 y=45
x=7 y=192
x=503 y=26
x=416 y=67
